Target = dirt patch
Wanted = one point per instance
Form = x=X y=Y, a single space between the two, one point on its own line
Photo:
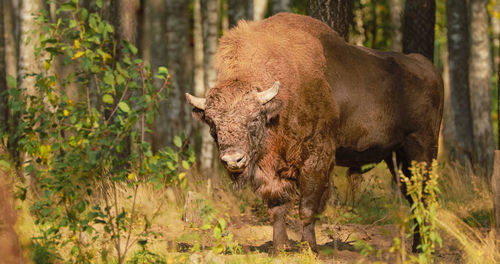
x=10 y=249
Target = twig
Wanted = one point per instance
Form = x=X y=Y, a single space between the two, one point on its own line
x=127 y=245
x=116 y=107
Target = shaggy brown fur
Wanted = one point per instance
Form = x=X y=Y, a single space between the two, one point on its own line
x=338 y=104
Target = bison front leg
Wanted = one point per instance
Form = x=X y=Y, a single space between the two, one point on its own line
x=313 y=195
x=277 y=213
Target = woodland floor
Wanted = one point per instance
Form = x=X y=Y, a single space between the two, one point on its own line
x=10 y=250
x=336 y=242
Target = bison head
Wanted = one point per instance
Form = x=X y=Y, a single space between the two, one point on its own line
x=238 y=118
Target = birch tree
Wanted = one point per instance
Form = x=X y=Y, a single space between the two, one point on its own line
x=479 y=79
x=396 y=9
x=457 y=124
x=210 y=18
x=26 y=62
x=259 y=9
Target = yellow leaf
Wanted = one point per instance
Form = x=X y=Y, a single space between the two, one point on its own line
x=70 y=102
x=77 y=44
x=65 y=112
x=78 y=55
x=46 y=65
x=131 y=176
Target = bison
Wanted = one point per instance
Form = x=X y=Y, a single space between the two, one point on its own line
x=293 y=100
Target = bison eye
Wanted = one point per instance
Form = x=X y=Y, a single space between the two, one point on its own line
x=252 y=128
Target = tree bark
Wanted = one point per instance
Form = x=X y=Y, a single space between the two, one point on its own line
x=127 y=12
x=177 y=115
x=259 y=9
x=396 y=33
x=281 y=6
x=27 y=62
x=199 y=73
x=210 y=17
x=154 y=53
x=335 y=13
x=495 y=186
x=479 y=79
x=238 y=10
x=418 y=27
x=458 y=126
x=4 y=111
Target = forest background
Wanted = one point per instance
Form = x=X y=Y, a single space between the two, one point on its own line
x=176 y=42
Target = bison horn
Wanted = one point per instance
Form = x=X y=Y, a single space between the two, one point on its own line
x=267 y=95
x=197 y=102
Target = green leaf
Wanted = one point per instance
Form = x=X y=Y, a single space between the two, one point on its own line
x=72 y=23
x=222 y=223
x=217 y=232
x=108 y=99
x=177 y=141
x=185 y=165
x=162 y=72
x=4 y=165
x=124 y=107
x=11 y=81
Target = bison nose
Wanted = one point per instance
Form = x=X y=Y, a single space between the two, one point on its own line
x=234 y=161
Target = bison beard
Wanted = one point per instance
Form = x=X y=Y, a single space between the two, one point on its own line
x=331 y=104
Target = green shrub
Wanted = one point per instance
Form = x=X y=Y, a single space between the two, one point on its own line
x=82 y=153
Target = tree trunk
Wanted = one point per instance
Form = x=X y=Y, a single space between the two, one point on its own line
x=458 y=126
x=4 y=111
x=418 y=27
x=335 y=13
x=237 y=10
x=210 y=18
x=357 y=35
x=495 y=27
x=479 y=78
x=27 y=63
x=281 y=6
x=199 y=75
x=396 y=33
x=495 y=186
x=128 y=18
x=259 y=9
x=178 y=113
x=154 y=53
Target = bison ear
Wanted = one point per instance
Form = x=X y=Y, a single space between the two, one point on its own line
x=272 y=109
x=199 y=106
x=198 y=114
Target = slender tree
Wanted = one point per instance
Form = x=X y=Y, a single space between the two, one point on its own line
x=3 y=74
x=238 y=10
x=259 y=9
x=336 y=13
x=396 y=8
x=177 y=44
x=10 y=25
x=281 y=6
x=458 y=131
x=210 y=21
x=418 y=27
x=479 y=79
x=26 y=62
x=199 y=73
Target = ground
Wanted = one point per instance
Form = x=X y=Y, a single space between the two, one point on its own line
x=10 y=250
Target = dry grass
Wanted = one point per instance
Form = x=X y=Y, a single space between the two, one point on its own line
x=464 y=196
